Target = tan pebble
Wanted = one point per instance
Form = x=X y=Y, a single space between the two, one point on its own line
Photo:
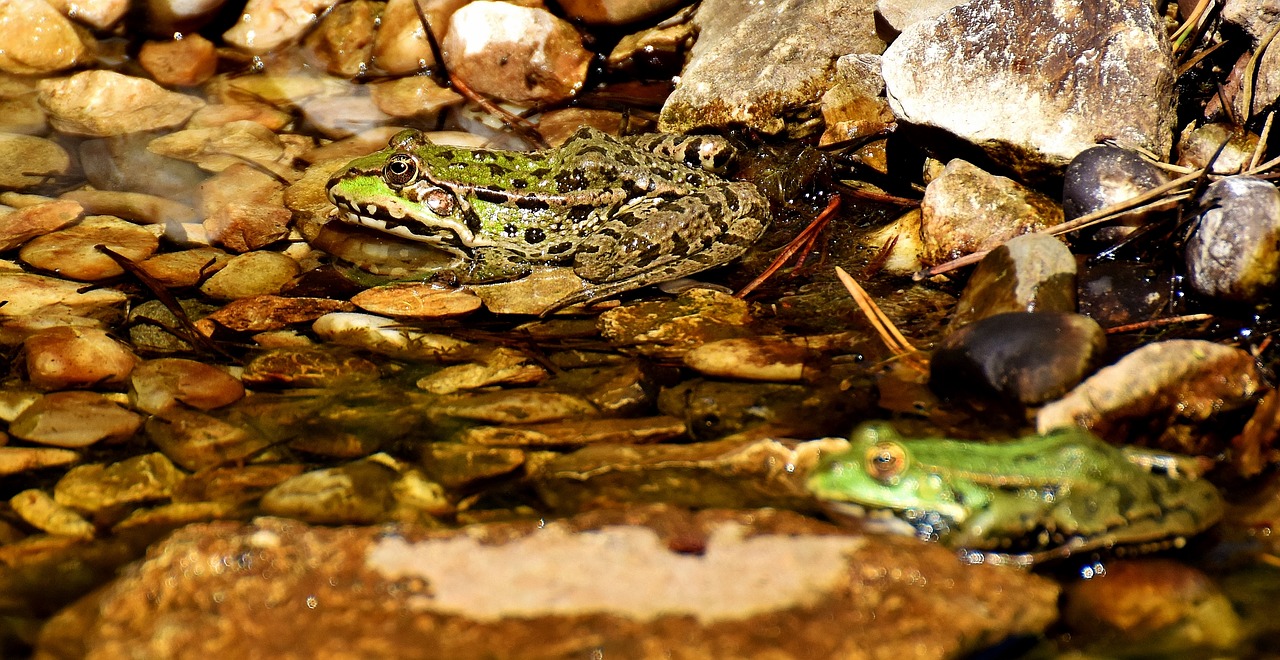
x=251 y=274
x=75 y=420
x=183 y=63
x=412 y=300
x=61 y=358
x=157 y=385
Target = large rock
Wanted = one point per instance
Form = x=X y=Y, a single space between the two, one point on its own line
x=1034 y=83
x=766 y=65
x=649 y=583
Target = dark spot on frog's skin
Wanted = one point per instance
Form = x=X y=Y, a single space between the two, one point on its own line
x=519 y=184
x=569 y=181
x=534 y=235
x=497 y=169
x=510 y=231
x=579 y=214
x=560 y=248
x=532 y=203
x=473 y=223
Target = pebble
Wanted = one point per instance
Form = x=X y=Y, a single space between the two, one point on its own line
x=218 y=147
x=135 y=206
x=855 y=106
x=65 y=357
x=266 y=25
x=385 y=336
x=1181 y=380
x=199 y=441
x=94 y=487
x=343 y=41
x=38 y=509
x=251 y=274
x=19 y=226
x=35 y=302
x=413 y=97
x=1103 y=176
x=580 y=433
x=1026 y=357
x=671 y=328
x=21 y=114
x=100 y=14
x=75 y=420
x=308 y=367
x=28 y=162
x=515 y=406
x=455 y=465
x=1197 y=146
x=185 y=62
x=185 y=267
x=1234 y=252
x=102 y=103
x=244 y=208
x=73 y=252
x=615 y=12
x=722 y=83
x=161 y=384
x=751 y=358
x=36 y=39
x=358 y=493
x=1103 y=71
x=414 y=300
x=16 y=460
x=1029 y=273
x=400 y=46
x=266 y=312
x=502 y=366
x=517 y=54
x=966 y=210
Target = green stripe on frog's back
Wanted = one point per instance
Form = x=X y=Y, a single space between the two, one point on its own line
x=1041 y=494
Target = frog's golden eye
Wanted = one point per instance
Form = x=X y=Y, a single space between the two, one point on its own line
x=400 y=170
x=886 y=461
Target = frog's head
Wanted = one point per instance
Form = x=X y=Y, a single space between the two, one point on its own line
x=393 y=191
x=877 y=475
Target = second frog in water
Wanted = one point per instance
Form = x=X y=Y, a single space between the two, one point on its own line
x=622 y=212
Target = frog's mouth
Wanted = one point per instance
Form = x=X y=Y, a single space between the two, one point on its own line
x=925 y=525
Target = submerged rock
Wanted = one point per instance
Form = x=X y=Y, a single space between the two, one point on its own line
x=1234 y=253
x=642 y=583
x=1029 y=273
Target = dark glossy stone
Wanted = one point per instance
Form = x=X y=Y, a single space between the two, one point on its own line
x=1234 y=253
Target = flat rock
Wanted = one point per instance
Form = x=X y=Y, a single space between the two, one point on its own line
x=73 y=252
x=35 y=302
x=75 y=420
x=266 y=25
x=1028 y=273
x=654 y=582
x=66 y=357
x=27 y=161
x=100 y=103
x=18 y=227
x=14 y=460
x=1034 y=83
x=35 y=38
x=766 y=65
x=185 y=62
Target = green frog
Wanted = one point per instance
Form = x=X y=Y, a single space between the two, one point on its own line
x=622 y=212
x=1022 y=501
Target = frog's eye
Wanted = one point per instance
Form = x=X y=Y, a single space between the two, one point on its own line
x=400 y=170
x=885 y=462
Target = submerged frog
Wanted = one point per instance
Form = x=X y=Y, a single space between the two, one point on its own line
x=1027 y=500
x=622 y=212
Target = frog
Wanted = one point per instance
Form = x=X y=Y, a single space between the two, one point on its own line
x=622 y=212
x=1023 y=501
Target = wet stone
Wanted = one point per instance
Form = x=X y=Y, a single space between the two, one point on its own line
x=1027 y=357
x=855 y=106
x=154 y=328
x=1151 y=606
x=1103 y=176
x=385 y=336
x=101 y=103
x=58 y=47
x=15 y=460
x=217 y=148
x=186 y=62
x=251 y=274
x=269 y=24
x=29 y=162
x=158 y=385
x=19 y=226
x=124 y=163
x=95 y=486
x=1105 y=72
x=356 y=493
x=631 y=431
x=414 y=300
x=415 y=97
x=38 y=509
x=1028 y=273
x=243 y=208
x=1234 y=253
x=1178 y=381
x=503 y=366
x=535 y=294
x=967 y=210
x=759 y=583
x=516 y=406
x=715 y=408
x=134 y=206
x=186 y=267
x=400 y=45
x=670 y=328
x=73 y=253
x=261 y=313
x=75 y=420
x=455 y=465
x=101 y=14
x=343 y=41
x=36 y=302
x=308 y=367
x=759 y=358
x=1198 y=145
x=233 y=485
x=198 y=441
x=65 y=357
x=22 y=115
x=518 y=54
x=622 y=388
